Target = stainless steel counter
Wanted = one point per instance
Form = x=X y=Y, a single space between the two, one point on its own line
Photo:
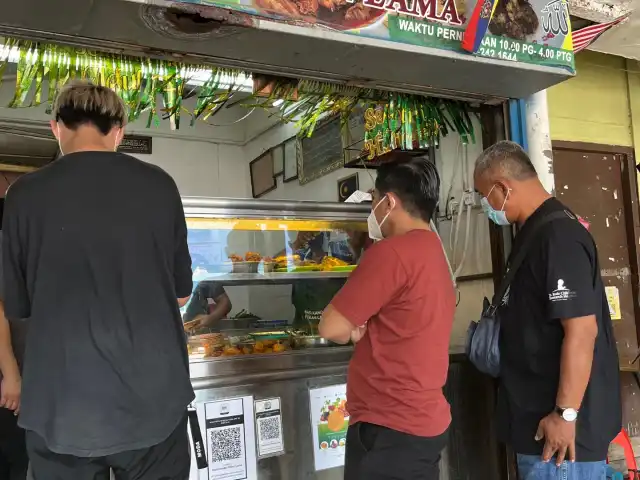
x=472 y=453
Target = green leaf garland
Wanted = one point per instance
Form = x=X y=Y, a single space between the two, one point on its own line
x=408 y=121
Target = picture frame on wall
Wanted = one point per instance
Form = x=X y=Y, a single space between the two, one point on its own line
x=262 y=179
x=278 y=160
x=290 y=149
x=347 y=186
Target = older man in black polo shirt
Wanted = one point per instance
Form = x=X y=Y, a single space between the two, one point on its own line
x=559 y=401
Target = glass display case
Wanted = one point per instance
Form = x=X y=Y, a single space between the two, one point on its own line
x=263 y=272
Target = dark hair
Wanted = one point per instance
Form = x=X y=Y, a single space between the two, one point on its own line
x=508 y=158
x=414 y=180
x=82 y=103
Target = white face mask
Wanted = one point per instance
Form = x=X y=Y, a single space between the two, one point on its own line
x=375 y=228
x=115 y=144
x=60 y=141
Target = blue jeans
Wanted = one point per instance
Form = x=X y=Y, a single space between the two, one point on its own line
x=531 y=467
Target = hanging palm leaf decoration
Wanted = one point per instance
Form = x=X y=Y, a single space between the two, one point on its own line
x=406 y=121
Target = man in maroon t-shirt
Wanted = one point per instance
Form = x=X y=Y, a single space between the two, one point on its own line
x=398 y=308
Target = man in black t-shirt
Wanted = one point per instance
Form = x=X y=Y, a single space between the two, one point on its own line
x=96 y=258
x=13 y=451
x=559 y=401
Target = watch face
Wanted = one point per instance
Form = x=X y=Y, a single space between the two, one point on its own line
x=570 y=414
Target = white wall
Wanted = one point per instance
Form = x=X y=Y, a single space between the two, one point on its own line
x=202 y=168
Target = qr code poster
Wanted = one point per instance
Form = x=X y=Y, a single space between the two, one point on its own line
x=230 y=439
x=269 y=427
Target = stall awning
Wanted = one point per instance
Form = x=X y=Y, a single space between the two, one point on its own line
x=247 y=41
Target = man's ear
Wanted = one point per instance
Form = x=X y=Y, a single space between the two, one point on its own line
x=504 y=187
x=119 y=137
x=394 y=201
x=54 y=128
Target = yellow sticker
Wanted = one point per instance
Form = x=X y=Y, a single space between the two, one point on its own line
x=613 y=299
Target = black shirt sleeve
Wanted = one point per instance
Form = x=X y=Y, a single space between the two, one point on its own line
x=1 y=272
x=569 y=263
x=16 y=297
x=182 y=259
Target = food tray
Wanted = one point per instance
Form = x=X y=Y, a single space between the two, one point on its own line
x=343 y=268
x=245 y=267
x=302 y=268
x=267 y=267
x=310 y=341
x=276 y=335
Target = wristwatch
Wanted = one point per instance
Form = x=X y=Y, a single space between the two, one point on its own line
x=567 y=414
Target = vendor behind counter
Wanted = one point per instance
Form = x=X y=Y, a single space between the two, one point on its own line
x=310 y=297
x=209 y=303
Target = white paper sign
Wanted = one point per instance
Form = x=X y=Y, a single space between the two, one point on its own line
x=329 y=424
x=230 y=439
x=269 y=427
x=358 y=197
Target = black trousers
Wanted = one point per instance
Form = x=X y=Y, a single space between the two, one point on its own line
x=14 y=461
x=379 y=453
x=169 y=460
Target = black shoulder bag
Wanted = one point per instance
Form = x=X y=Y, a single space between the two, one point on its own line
x=482 y=345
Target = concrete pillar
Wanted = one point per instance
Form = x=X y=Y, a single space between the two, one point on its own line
x=539 y=138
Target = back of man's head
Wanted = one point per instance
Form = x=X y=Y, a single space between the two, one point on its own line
x=505 y=159
x=87 y=115
x=414 y=180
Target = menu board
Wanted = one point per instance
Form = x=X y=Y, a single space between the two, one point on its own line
x=321 y=153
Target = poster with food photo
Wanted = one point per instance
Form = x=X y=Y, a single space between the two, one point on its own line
x=329 y=424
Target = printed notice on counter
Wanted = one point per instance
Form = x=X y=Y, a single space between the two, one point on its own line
x=231 y=439
x=269 y=427
x=613 y=299
x=329 y=424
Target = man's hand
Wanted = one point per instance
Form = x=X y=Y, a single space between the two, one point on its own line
x=10 y=392
x=559 y=438
x=194 y=324
x=358 y=333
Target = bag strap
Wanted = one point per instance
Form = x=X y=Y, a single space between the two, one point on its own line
x=517 y=260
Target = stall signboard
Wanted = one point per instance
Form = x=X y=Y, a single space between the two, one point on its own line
x=329 y=424
x=528 y=31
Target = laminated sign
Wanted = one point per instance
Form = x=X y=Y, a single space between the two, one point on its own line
x=329 y=424
x=230 y=439
x=269 y=427
x=613 y=299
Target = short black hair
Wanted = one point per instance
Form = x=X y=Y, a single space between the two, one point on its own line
x=508 y=158
x=414 y=180
x=83 y=103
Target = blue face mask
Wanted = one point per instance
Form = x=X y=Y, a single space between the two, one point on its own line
x=499 y=217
